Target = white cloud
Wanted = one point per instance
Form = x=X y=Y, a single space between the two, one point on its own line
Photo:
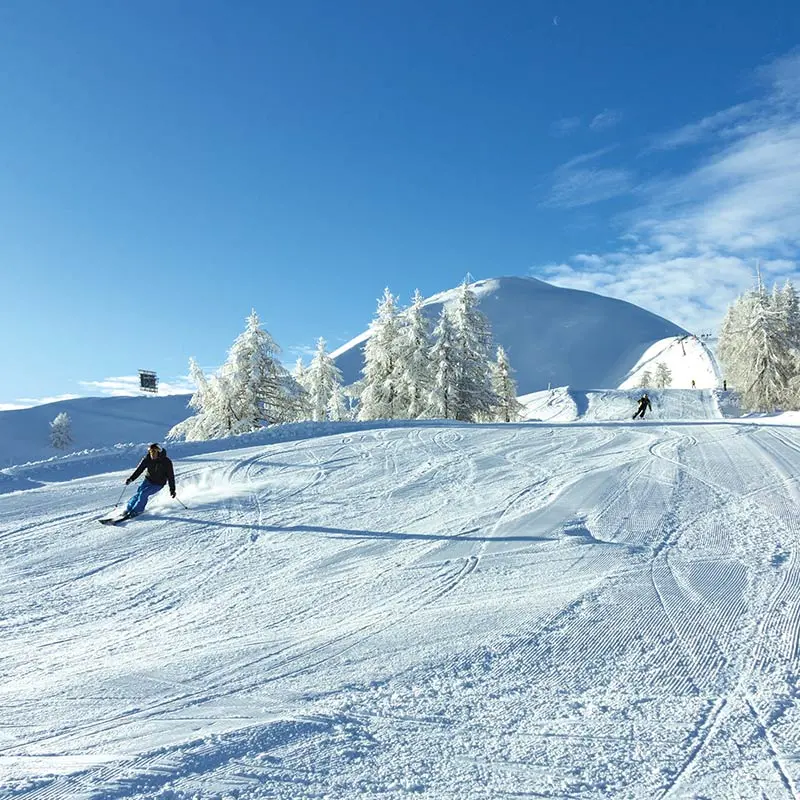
x=128 y=386
x=605 y=119
x=583 y=158
x=693 y=244
x=577 y=183
x=728 y=123
x=29 y=402
x=565 y=126
x=582 y=187
x=782 y=76
x=303 y=351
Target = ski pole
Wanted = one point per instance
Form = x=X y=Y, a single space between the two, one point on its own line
x=119 y=500
x=181 y=502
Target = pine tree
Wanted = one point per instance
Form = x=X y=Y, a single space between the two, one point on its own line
x=61 y=431
x=474 y=396
x=767 y=364
x=443 y=396
x=322 y=380
x=508 y=408
x=413 y=365
x=791 y=310
x=203 y=401
x=380 y=384
x=257 y=385
x=299 y=372
x=646 y=380
x=731 y=336
x=250 y=389
x=303 y=401
x=338 y=410
x=663 y=376
x=756 y=350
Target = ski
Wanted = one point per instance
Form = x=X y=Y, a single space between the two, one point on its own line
x=113 y=520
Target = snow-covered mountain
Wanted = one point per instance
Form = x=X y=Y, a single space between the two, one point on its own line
x=554 y=336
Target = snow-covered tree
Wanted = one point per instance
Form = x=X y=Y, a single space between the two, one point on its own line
x=474 y=396
x=508 y=408
x=767 y=365
x=200 y=426
x=321 y=382
x=257 y=381
x=299 y=372
x=338 y=409
x=756 y=348
x=379 y=397
x=199 y=399
x=731 y=336
x=445 y=365
x=61 y=431
x=663 y=376
x=250 y=389
x=413 y=365
x=790 y=306
x=645 y=380
x=303 y=401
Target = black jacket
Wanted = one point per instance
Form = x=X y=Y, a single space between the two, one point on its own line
x=644 y=402
x=159 y=470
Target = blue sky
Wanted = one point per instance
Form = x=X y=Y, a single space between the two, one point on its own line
x=166 y=166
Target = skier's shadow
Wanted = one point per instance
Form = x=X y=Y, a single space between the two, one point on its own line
x=361 y=534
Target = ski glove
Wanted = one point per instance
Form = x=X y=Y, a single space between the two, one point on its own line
x=127 y=481
x=172 y=495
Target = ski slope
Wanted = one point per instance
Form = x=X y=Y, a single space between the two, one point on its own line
x=688 y=359
x=575 y=405
x=432 y=611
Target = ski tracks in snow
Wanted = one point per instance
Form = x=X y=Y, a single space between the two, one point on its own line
x=471 y=611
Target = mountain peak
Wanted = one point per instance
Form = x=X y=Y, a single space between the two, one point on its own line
x=553 y=335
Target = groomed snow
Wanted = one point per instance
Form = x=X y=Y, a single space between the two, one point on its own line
x=572 y=405
x=433 y=611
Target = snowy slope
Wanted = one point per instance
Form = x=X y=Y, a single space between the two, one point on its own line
x=429 y=611
x=554 y=336
x=96 y=422
x=570 y=405
x=688 y=359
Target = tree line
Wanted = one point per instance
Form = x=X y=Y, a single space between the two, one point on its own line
x=410 y=372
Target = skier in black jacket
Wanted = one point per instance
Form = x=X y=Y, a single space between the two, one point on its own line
x=644 y=405
x=159 y=472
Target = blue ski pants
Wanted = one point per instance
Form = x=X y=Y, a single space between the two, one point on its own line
x=139 y=500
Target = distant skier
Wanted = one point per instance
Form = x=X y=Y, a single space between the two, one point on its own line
x=644 y=405
x=159 y=472
x=693 y=385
